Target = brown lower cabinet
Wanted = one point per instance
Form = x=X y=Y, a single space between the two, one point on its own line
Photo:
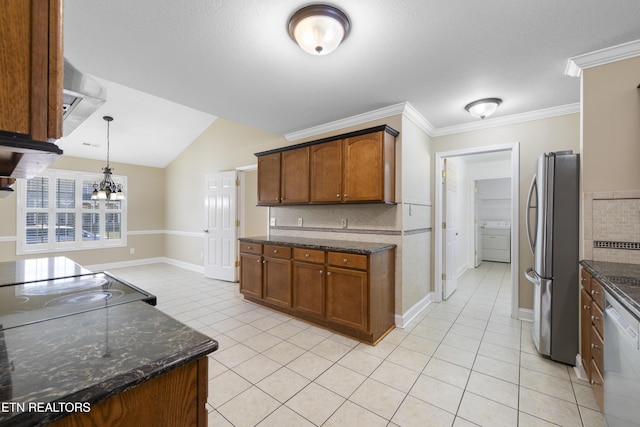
x=592 y=333
x=176 y=398
x=353 y=294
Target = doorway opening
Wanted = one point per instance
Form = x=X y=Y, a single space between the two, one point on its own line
x=458 y=231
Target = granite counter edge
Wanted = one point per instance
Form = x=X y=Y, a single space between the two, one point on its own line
x=116 y=385
x=619 y=295
x=314 y=244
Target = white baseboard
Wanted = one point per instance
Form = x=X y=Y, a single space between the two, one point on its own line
x=579 y=369
x=525 y=314
x=402 y=320
x=145 y=261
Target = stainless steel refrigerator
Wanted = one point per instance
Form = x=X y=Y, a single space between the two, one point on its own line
x=552 y=229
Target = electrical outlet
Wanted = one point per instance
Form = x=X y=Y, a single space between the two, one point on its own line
x=272 y=222
x=132 y=251
x=299 y=222
x=344 y=222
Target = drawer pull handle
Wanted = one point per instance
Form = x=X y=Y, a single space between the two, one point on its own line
x=582 y=280
x=593 y=345
x=249 y=247
x=586 y=307
x=595 y=318
x=594 y=292
x=594 y=382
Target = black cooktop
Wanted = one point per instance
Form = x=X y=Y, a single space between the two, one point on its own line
x=36 y=301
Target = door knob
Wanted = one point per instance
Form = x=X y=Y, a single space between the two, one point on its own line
x=205 y=230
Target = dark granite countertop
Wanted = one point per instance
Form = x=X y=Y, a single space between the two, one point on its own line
x=349 y=246
x=91 y=356
x=621 y=280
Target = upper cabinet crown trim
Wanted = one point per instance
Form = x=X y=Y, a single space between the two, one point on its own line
x=386 y=128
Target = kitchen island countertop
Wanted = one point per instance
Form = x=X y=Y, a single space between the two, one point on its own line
x=620 y=279
x=364 y=248
x=89 y=357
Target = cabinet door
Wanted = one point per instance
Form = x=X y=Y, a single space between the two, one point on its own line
x=277 y=281
x=326 y=172
x=585 y=331
x=347 y=298
x=294 y=185
x=269 y=179
x=308 y=288
x=251 y=275
x=363 y=178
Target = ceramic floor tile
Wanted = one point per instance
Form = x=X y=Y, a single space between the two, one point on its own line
x=284 y=352
x=428 y=332
x=284 y=330
x=447 y=372
x=215 y=368
x=214 y=418
x=485 y=412
x=549 y=408
x=538 y=363
x=548 y=384
x=234 y=355
x=243 y=333
x=378 y=398
x=496 y=368
x=461 y=342
x=262 y=342
x=461 y=422
x=437 y=393
x=309 y=365
x=352 y=415
x=283 y=384
x=340 y=380
x=261 y=405
x=225 y=387
x=306 y=340
x=396 y=376
x=257 y=368
x=419 y=344
x=331 y=350
x=361 y=362
x=526 y=420
x=315 y=403
x=455 y=355
x=591 y=418
x=408 y=358
x=584 y=396
x=282 y=417
x=467 y=331
x=494 y=389
x=414 y=412
x=501 y=353
x=381 y=350
x=512 y=342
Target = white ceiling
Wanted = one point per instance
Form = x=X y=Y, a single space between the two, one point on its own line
x=234 y=59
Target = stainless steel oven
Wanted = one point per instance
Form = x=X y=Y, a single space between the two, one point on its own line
x=621 y=364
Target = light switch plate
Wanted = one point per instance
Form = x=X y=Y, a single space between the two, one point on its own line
x=272 y=222
x=299 y=222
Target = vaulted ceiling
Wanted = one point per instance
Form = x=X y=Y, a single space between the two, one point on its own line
x=234 y=59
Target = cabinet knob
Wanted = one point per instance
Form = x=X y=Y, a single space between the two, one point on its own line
x=321 y=272
x=595 y=318
x=264 y=262
x=586 y=307
x=344 y=260
x=345 y=195
x=275 y=251
x=249 y=247
x=337 y=195
x=258 y=261
x=594 y=382
x=594 y=345
x=328 y=273
x=594 y=292
x=306 y=255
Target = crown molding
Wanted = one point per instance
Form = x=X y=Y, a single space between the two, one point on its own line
x=509 y=120
x=576 y=64
x=393 y=110
x=408 y=111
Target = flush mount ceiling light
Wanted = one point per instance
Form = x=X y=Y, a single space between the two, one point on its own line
x=319 y=28
x=107 y=189
x=483 y=108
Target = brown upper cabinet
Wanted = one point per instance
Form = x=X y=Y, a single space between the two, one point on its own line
x=31 y=65
x=357 y=167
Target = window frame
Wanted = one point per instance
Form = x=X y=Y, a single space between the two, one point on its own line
x=22 y=248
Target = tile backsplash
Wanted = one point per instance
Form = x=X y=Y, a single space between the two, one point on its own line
x=612 y=226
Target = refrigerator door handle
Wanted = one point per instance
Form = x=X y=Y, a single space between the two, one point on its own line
x=532 y=239
x=533 y=278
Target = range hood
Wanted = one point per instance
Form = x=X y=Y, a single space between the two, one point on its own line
x=81 y=97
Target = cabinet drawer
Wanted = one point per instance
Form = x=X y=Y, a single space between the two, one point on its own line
x=597 y=318
x=597 y=293
x=309 y=255
x=585 y=280
x=277 y=251
x=597 y=384
x=250 y=248
x=597 y=349
x=347 y=260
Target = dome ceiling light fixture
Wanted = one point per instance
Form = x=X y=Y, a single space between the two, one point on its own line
x=319 y=28
x=483 y=108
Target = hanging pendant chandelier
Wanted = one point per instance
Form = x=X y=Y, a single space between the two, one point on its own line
x=107 y=189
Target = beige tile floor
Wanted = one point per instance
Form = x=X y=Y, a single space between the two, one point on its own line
x=463 y=362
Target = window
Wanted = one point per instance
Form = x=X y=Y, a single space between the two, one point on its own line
x=56 y=213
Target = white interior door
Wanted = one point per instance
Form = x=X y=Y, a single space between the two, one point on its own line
x=220 y=226
x=450 y=250
x=477 y=225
